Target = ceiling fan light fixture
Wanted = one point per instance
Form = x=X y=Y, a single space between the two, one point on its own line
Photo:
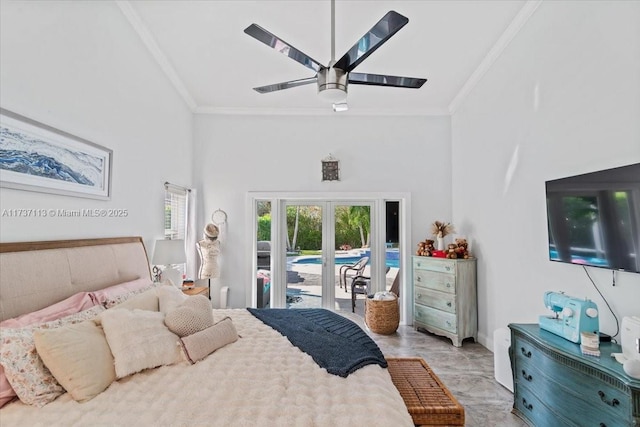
x=332 y=95
x=332 y=85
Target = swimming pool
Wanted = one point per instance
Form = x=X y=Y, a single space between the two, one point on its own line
x=392 y=259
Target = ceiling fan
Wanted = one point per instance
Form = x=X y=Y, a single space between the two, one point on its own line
x=333 y=79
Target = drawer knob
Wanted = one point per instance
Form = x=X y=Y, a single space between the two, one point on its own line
x=446 y=267
x=529 y=406
x=613 y=402
x=525 y=353
x=448 y=285
x=526 y=376
x=603 y=425
x=419 y=279
x=449 y=304
x=418 y=295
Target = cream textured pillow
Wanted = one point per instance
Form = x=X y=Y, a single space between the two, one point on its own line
x=79 y=357
x=146 y=300
x=170 y=297
x=32 y=381
x=139 y=340
x=193 y=315
x=205 y=342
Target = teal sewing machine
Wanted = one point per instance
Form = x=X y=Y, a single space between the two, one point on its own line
x=571 y=316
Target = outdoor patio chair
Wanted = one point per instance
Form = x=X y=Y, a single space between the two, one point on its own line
x=263 y=249
x=357 y=268
x=361 y=285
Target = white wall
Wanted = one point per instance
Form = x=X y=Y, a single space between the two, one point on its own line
x=79 y=67
x=237 y=154
x=563 y=99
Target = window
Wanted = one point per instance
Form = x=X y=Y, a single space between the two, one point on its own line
x=175 y=212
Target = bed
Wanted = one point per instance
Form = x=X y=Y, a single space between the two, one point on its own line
x=260 y=379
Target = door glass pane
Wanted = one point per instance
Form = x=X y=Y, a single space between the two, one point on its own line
x=263 y=253
x=392 y=243
x=304 y=256
x=352 y=257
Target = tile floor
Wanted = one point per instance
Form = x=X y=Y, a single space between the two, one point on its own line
x=466 y=371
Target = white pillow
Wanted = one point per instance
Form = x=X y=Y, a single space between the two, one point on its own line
x=139 y=340
x=146 y=300
x=33 y=382
x=79 y=357
x=169 y=297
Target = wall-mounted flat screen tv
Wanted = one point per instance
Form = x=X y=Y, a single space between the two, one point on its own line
x=594 y=219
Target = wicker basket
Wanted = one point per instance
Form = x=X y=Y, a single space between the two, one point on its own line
x=382 y=316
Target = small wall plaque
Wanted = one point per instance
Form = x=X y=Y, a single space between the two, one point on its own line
x=330 y=169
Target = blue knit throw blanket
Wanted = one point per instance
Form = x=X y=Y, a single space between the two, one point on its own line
x=334 y=342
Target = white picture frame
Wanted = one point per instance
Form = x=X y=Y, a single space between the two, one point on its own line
x=38 y=157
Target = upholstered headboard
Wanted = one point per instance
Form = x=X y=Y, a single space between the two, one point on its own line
x=34 y=275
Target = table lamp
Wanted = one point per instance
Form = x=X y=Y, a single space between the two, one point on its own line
x=169 y=253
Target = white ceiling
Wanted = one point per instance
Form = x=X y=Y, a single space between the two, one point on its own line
x=202 y=47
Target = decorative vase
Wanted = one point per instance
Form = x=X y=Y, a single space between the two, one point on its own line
x=440 y=246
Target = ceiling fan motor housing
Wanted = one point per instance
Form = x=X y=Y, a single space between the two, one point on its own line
x=332 y=83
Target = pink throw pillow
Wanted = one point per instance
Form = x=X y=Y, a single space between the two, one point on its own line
x=72 y=305
x=7 y=393
x=111 y=293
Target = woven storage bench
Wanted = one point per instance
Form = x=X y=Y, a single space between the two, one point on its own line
x=382 y=316
x=429 y=402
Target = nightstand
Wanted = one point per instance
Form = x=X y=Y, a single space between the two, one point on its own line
x=198 y=290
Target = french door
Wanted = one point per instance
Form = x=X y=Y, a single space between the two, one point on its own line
x=311 y=255
x=303 y=270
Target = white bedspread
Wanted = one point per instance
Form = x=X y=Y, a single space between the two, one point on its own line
x=260 y=380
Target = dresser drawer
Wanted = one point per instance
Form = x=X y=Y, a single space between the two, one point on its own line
x=530 y=407
x=433 y=280
x=588 y=397
x=438 y=264
x=436 y=318
x=436 y=299
x=577 y=407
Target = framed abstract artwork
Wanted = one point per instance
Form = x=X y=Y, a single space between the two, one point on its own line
x=37 y=157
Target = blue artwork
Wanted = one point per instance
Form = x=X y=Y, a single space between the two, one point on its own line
x=36 y=155
x=20 y=152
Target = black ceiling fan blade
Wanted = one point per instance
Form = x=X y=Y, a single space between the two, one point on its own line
x=281 y=46
x=390 y=24
x=285 y=85
x=381 y=80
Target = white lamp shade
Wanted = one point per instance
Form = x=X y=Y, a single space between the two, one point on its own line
x=167 y=252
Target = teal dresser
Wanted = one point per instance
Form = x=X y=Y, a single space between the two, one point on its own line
x=555 y=385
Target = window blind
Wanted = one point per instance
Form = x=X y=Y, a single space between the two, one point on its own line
x=175 y=212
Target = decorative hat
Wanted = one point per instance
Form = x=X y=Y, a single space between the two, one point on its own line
x=211 y=231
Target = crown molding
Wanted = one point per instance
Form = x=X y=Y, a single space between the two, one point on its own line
x=503 y=41
x=150 y=43
x=275 y=111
